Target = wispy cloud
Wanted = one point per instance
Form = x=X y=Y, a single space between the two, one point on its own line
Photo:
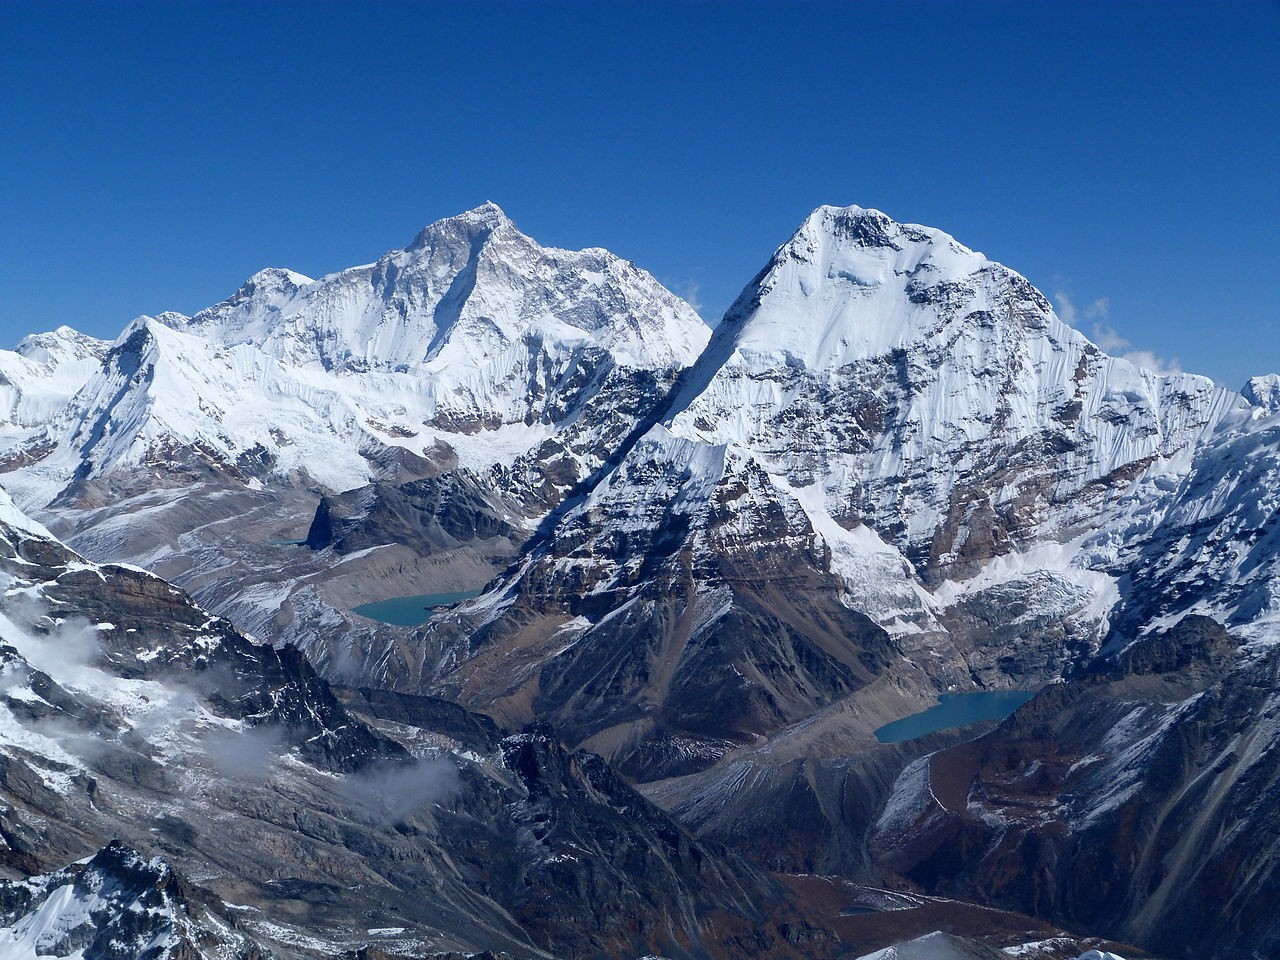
x=690 y=293
x=1106 y=337
x=243 y=755
x=393 y=792
x=1072 y=315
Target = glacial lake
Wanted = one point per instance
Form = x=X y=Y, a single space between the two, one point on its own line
x=410 y=611
x=955 y=710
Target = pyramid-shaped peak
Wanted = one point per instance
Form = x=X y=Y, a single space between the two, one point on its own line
x=272 y=282
x=478 y=222
x=487 y=212
x=1264 y=392
x=279 y=276
x=61 y=341
x=867 y=227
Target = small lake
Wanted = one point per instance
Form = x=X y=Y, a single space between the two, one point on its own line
x=287 y=543
x=411 y=611
x=955 y=710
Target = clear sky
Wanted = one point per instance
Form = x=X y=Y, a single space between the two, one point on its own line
x=1123 y=156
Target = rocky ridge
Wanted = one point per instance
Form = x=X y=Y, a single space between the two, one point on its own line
x=129 y=714
x=1136 y=798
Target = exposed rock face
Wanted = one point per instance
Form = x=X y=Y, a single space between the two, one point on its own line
x=433 y=514
x=805 y=801
x=589 y=868
x=1134 y=800
x=681 y=609
x=126 y=712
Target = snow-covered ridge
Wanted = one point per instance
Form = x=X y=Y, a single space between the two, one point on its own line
x=113 y=904
x=40 y=376
x=1217 y=548
x=895 y=367
x=11 y=516
x=473 y=339
x=1264 y=392
x=944 y=946
x=467 y=287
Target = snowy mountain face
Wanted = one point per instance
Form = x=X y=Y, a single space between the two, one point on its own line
x=117 y=905
x=472 y=339
x=1215 y=551
x=936 y=946
x=1263 y=392
x=36 y=382
x=473 y=353
x=931 y=394
x=461 y=299
x=944 y=946
x=887 y=427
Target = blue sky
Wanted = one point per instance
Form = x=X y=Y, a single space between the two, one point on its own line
x=1121 y=155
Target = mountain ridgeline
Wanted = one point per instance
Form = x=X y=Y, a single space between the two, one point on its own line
x=705 y=567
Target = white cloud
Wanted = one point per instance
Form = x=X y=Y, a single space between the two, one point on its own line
x=1071 y=315
x=689 y=293
x=1149 y=361
x=390 y=793
x=1106 y=337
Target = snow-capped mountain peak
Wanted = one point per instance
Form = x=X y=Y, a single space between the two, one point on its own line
x=477 y=222
x=1264 y=392
x=39 y=377
x=60 y=344
x=474 y=327
x=274 y=284
x=892 y=364
x=853 y=283
x=466 y=288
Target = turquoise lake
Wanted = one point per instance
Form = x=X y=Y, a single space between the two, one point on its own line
x=955 y=710
x=410 y=611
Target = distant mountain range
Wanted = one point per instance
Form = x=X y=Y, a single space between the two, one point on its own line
x=707 y=565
